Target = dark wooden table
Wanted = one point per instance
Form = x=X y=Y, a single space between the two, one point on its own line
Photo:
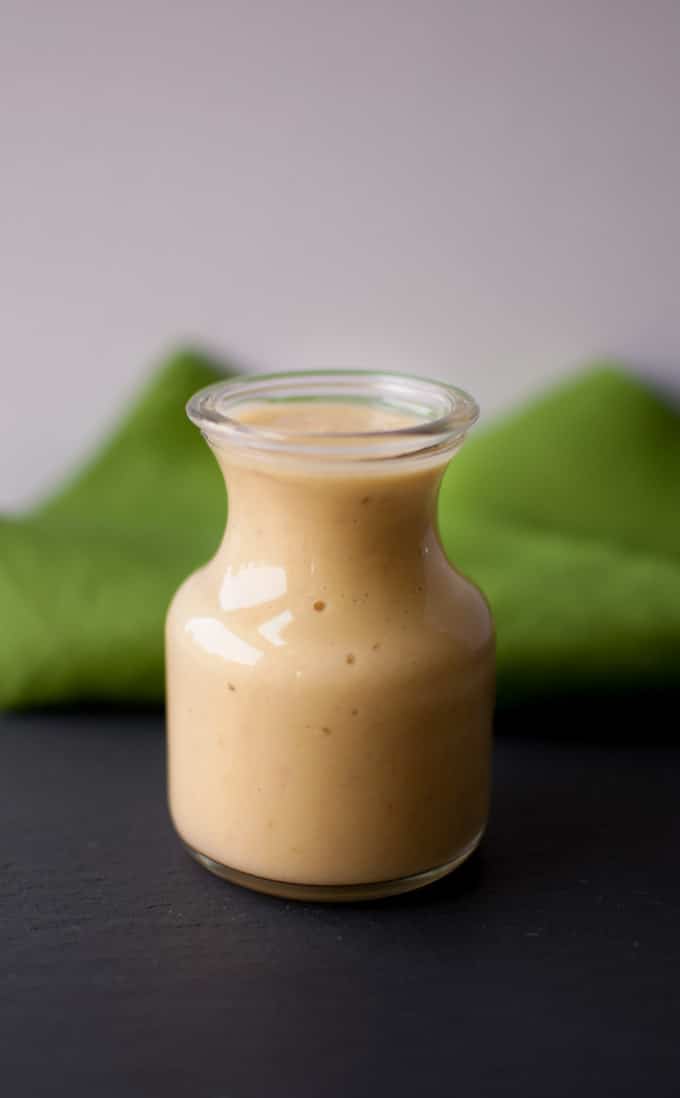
x=546 y=967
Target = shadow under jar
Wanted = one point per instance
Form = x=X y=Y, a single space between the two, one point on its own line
x=330 y=675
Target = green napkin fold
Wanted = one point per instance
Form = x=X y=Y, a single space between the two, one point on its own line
x=566 y=513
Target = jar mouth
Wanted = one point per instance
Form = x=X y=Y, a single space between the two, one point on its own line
x=435 y=415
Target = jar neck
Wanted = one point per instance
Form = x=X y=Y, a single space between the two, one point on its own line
x=326 y=523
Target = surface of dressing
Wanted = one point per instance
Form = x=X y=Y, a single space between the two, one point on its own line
x=323 y=417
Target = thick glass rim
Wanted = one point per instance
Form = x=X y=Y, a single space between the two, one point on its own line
x=443 y=413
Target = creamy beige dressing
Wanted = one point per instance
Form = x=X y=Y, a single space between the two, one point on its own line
x=322 y=417
x=330 y=676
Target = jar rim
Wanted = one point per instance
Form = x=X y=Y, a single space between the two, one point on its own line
x=443 y=414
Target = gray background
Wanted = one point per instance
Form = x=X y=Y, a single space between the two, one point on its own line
x=483 y=190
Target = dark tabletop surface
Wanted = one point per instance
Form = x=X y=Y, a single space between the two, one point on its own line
x=547 y=966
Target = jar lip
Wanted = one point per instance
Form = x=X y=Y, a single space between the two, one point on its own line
x=444 y=413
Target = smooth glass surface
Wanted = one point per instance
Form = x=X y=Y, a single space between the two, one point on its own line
x=330 y=674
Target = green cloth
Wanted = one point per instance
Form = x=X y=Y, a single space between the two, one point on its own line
x=565 y=512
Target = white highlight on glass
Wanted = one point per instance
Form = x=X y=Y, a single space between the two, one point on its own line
x=252 y=585
x=271 y=630
x=217 y=640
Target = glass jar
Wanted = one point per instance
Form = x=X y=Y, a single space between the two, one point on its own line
x=330 y=675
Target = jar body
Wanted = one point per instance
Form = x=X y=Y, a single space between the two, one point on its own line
x=330 y=686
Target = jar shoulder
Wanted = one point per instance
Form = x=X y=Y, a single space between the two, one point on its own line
x=185 y=598
x=435 y=610
x=456 y=603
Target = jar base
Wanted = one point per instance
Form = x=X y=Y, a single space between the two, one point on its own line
x=350 y=893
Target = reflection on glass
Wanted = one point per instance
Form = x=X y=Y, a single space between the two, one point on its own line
x=271 y=630
x=252 y=585
x=217 y=640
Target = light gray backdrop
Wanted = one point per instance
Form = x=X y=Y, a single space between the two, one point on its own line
x=485 y=190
